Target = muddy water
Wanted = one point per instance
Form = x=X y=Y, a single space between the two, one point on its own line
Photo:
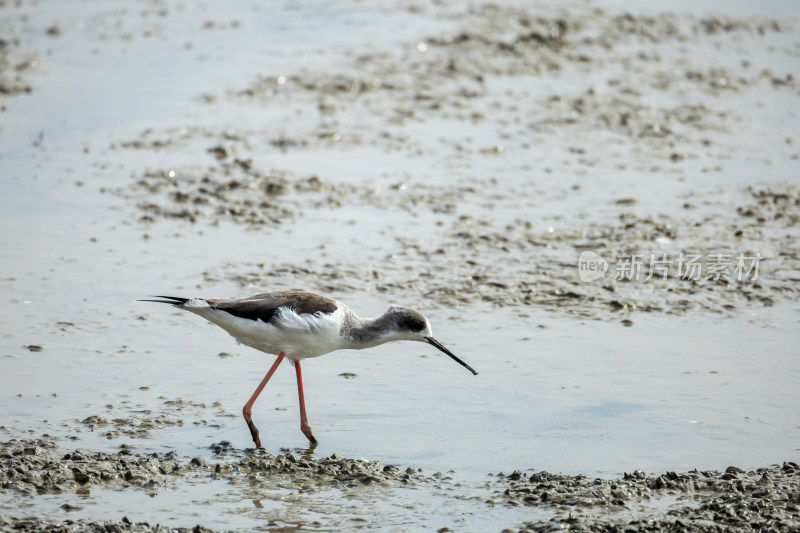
x=453 y=159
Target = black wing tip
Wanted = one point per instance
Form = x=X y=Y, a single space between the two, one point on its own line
x=173 y=300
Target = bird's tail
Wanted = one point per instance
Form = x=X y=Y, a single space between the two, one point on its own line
x=173 y=300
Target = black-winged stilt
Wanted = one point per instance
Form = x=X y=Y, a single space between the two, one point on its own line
x=299 y=325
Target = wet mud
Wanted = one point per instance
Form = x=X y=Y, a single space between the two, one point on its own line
x=667 y=99
x=381 y=100
x=521 y=266
x=14 y=64
x=733 y=500
x=33 y=525
x=37 y=467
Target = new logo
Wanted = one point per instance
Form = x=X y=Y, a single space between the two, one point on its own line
x=591 y=266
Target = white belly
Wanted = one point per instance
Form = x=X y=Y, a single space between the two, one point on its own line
x=297 y=336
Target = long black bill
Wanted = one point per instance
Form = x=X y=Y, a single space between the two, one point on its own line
x=439 y=345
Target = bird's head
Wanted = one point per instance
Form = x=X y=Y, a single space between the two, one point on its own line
x=411 y=325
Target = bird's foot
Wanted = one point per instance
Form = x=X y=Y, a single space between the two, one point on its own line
x=254 y=433
x=306 y=429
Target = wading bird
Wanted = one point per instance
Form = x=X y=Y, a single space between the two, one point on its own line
x=298 y=325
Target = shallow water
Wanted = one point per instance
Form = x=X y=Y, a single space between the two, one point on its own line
x=598 y=398
x=554 y=391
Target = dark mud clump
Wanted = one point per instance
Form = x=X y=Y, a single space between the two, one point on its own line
x=30 y=468
x=733 y=500
x=766 y=499
x=36 y=467
x=134 y=426
x=234 y=190
x=36 y=525
x=13 y=66
x=259 y=466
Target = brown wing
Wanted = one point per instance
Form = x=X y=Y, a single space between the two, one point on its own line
x=263 y=306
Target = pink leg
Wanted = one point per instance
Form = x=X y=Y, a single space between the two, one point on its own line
x=304 y=427
x=248 y=407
